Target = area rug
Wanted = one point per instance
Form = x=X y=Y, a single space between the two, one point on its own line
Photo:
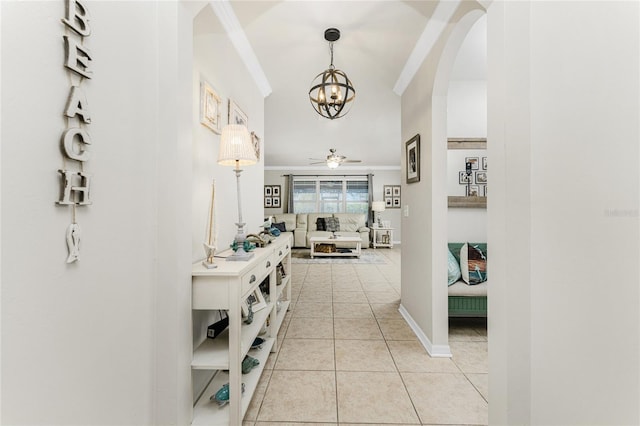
x=367 y=256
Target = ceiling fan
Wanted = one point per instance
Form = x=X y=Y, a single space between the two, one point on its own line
x=333 y=160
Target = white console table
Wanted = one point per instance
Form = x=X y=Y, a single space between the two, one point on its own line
x=382 y=237
x=226 y=288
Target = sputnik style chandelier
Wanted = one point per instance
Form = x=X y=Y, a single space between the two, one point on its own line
x=331 y=90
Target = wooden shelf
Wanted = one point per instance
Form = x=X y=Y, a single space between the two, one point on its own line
x=468 y=202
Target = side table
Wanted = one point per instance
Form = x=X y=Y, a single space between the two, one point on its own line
x=382 y=237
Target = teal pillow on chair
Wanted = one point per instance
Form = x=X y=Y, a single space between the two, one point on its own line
x=453 y=269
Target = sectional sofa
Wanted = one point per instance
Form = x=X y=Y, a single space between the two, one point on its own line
x=304 y=226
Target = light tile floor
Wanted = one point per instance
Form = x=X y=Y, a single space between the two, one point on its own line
x=347 y=357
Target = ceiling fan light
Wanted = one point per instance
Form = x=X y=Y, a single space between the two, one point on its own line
x=333 y=164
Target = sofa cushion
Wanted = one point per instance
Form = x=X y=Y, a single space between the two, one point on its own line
x=332 y=224
x=473 y=264
x=453 y=269
x=312 y=218
x=351 y=222
x=460 y=288
x=280 y=226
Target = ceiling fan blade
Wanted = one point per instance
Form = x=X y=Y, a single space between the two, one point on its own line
x=352 y=161
x=319 y=162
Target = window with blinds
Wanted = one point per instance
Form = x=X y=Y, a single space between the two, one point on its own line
x=330 y=195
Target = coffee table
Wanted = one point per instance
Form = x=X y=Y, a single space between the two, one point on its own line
x=326 y=240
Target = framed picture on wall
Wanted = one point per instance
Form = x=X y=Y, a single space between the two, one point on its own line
x=464 y=178
x=267 y=191
x=475 y=162
x=481 y=177
x=268 y=202
x=484 y=163
x=392 y=196
x=276 y=190
x=210 y=106
x=472 y=191
x=276 y=203
x=255 y=141
x=236 y=115
x=412 y=148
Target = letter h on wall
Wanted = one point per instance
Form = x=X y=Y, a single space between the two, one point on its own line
x=79 y=194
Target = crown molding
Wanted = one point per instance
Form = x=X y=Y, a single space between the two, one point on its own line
x=229 y=20
x=432 y=31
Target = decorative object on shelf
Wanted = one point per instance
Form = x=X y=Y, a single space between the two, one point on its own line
x=392 y=198
x=249 y=318
x=248 y=364
x=272 y=196
x=210 y=106
x=377 y=207
x=412 y=148
x=211 y=235
x=222 y=396
x=247 y=245
x=333 y=160
x=257 y=343
x=219 y=326
x=236 y=150
x=331 y=90
x=255 y=302
x=237 y=116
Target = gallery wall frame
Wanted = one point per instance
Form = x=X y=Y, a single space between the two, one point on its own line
x=272 y=196
x=392 y=196
x=476 y=182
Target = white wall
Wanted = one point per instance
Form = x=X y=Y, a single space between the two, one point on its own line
x=564 y=323
x=466 y=118
x=80 y=340
x=231 y=80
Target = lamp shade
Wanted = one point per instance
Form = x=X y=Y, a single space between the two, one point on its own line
x=377 y=206
x=236 y=147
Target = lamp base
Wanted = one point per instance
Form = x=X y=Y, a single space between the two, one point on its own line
x=240 y=255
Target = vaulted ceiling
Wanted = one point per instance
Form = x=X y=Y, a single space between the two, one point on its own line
x=376 y=45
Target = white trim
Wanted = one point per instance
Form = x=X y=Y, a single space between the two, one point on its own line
x=432 y=31
x=435 y=351
x=229 y=21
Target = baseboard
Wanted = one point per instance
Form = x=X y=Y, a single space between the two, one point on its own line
x=435 y=351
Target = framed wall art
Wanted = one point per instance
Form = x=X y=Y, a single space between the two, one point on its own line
x=412 y=148
x=392 y=199
x=257 y=302
x=272 y=196
x=255 y=140
x=210 y=107
x=236 y=115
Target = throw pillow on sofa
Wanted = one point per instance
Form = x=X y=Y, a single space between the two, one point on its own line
x=453 y=269
x=321 y=224
x=473 y=264
x=333 y=224
x=280 y=226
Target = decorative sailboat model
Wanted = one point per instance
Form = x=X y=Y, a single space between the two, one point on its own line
x=211 y=235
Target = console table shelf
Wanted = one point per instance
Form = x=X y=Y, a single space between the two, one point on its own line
x=226 y=288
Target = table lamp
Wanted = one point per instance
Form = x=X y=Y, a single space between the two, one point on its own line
x=377 y=207
x=237 y=150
